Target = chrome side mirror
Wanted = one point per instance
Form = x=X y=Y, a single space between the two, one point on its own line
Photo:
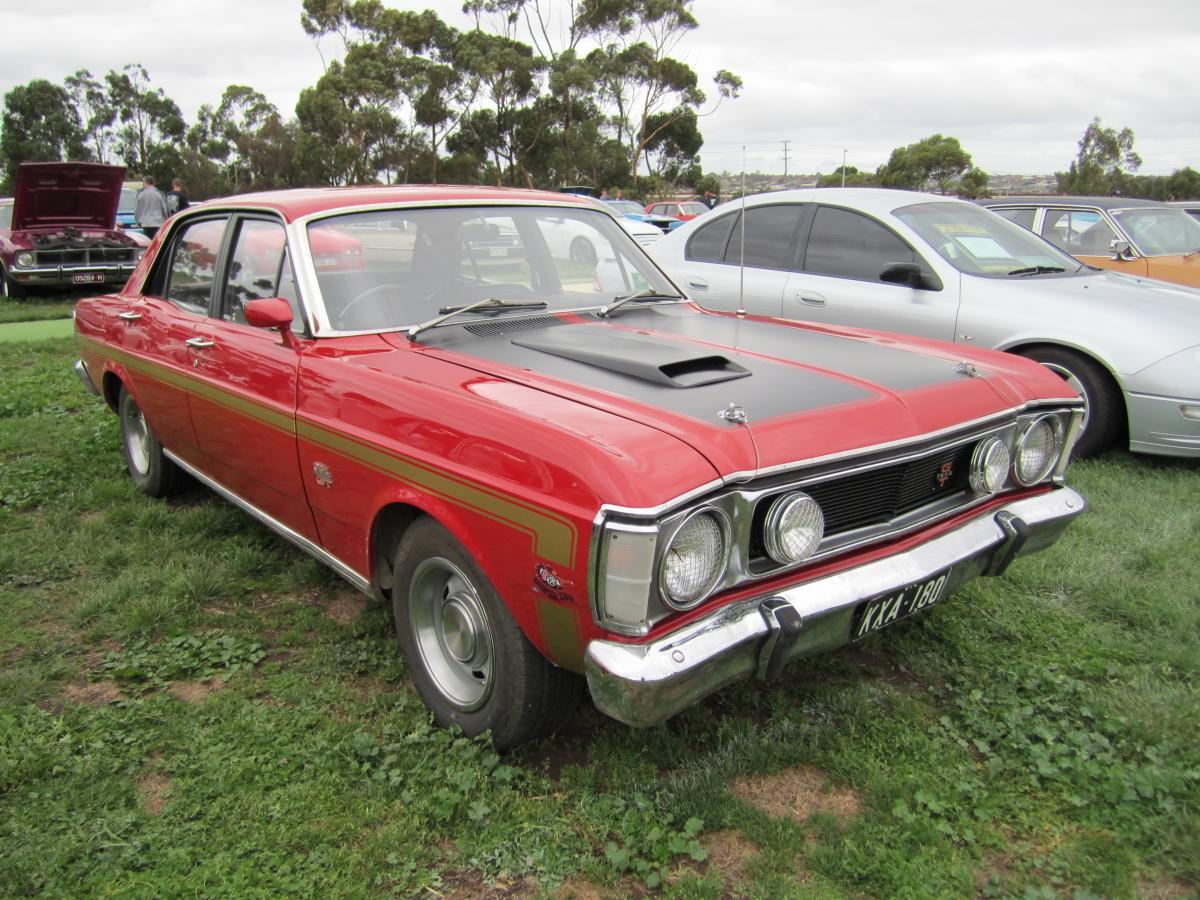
x=1121 y=249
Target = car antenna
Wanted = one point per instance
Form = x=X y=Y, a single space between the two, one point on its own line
x=741 y=309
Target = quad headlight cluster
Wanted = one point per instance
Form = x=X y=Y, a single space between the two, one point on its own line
x=649 y=569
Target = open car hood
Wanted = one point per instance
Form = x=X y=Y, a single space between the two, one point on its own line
x=66 y=195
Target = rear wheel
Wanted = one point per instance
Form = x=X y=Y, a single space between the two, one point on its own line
x=1103 y=415
x=469 y=660
x=148 y=466
x=582 y=251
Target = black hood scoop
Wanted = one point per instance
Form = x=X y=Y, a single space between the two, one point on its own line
x=667 y=364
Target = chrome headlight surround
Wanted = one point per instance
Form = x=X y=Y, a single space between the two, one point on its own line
x=716 y=565
x=989 y=466
x=790 y=511
x=24 y=259
x=1032 y=465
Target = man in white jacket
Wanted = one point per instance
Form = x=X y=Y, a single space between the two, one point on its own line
x=150 y=209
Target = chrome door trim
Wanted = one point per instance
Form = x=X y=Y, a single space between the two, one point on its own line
x=275 y=525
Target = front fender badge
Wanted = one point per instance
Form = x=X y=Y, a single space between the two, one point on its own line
x=322 y=474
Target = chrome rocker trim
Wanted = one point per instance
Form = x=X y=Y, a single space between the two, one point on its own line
x=644 y=684
x=275 y=525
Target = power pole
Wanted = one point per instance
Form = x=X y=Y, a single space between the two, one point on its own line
x=785 y=157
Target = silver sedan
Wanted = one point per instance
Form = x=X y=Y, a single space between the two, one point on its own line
x=927 y=265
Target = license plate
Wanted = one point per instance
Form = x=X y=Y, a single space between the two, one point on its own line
x=87 y=278
x=883 y=611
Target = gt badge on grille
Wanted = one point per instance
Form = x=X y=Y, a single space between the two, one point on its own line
x=944 y=473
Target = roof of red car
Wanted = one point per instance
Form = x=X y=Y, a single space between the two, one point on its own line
x=295 y=204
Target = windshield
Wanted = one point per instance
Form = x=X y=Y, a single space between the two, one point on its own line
x=390 y=269
x=979 y=242
x=693 y=209
x=6 y=215
x=627 y=207
x=1160 y=232
x=128 y=200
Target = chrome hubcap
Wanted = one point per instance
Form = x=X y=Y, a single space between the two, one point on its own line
x=137 y=438
x=1076 y=385
x=451 y=631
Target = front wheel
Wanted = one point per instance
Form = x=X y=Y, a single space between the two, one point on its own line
x=12 y=289
x=582 y=251
x=1102 y=416
x=469 y=660
x=148 y=466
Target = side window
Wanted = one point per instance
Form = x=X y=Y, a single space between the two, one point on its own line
x=254 y=267
x=708 y=243
x=194 y=263
x=5 y=215
x=1022 y=217
x=850 y=245
x=770 y=237
x=1080 y=232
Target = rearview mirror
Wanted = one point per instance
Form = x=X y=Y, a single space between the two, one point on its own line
x=1121 y=249
x=905 y=273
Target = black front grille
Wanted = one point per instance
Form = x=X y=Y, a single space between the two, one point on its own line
x=90 y=256
x=880 y=495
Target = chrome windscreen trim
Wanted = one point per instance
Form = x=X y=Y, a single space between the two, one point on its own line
x=275 y=525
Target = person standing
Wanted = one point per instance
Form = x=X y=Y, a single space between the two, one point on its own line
x=177 y=199
x=150 y=207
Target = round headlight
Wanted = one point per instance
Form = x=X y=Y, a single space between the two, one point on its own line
x=694 y=560
x=24 y=260
x=1038 y=450
x=794 y=528
x=989 y=466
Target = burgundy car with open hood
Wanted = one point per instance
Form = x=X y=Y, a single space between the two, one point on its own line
x=556 y=470
x=59 y=229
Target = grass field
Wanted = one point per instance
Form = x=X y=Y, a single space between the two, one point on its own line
x=190 y=706
x=37 y=309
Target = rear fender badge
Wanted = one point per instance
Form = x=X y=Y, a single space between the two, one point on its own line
x=968 y=369
x=735 y=414
x=322 y=474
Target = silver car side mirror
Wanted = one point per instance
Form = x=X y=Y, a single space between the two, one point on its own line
x=1121 y=249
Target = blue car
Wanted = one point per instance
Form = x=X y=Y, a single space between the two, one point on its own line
x=631 y=210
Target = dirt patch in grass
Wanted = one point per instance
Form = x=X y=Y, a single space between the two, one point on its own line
x=797 y=794
x=578 y=889
x=196 y=691
x=1166 y=888
x=90 y=693
x=346 y=607
x=728 y=855
x=468 y=884
x=153 y=788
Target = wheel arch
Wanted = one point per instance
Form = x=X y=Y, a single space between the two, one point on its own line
x=1022 y=348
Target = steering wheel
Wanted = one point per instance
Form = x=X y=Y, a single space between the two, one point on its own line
x=387 y=298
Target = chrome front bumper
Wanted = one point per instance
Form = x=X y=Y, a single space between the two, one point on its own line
x=109 y=272
x=644 y=684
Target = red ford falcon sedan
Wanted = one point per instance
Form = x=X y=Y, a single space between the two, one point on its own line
x=554 y=468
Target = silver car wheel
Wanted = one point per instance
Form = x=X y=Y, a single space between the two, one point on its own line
x=452 y=632
x=582 y=251
x=137 y=437
x=1076 y=385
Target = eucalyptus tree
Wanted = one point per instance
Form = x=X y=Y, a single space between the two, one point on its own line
x=40 y=125
x=96 y=111
x=151 y=127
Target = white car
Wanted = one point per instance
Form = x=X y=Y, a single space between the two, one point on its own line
x=569 y=239
x=932 y=266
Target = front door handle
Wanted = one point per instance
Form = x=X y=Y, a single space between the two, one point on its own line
x=199 y=343
x=810 y=298
x=697 y=285
x=129 y=315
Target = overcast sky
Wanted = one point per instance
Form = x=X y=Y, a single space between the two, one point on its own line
x=1016 y=81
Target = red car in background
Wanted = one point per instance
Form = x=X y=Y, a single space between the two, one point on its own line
x=560 y=471
x=59 y=229
x=683 y=210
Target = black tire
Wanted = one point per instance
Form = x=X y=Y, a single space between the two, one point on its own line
x=1104 y=414
x=469 y=660
x=148 y=466
x=582 y=251
x=12 y=289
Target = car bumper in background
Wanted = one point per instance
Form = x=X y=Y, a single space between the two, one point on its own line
x=64 y=276
x=1168 y=426
x=644 y=684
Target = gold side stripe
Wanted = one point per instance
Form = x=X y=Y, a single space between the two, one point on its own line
x=553 y=537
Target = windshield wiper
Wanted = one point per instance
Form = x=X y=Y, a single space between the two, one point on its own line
x=1191 y=253
x=1037 y=270
x=648 y=294
x=487 y=303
